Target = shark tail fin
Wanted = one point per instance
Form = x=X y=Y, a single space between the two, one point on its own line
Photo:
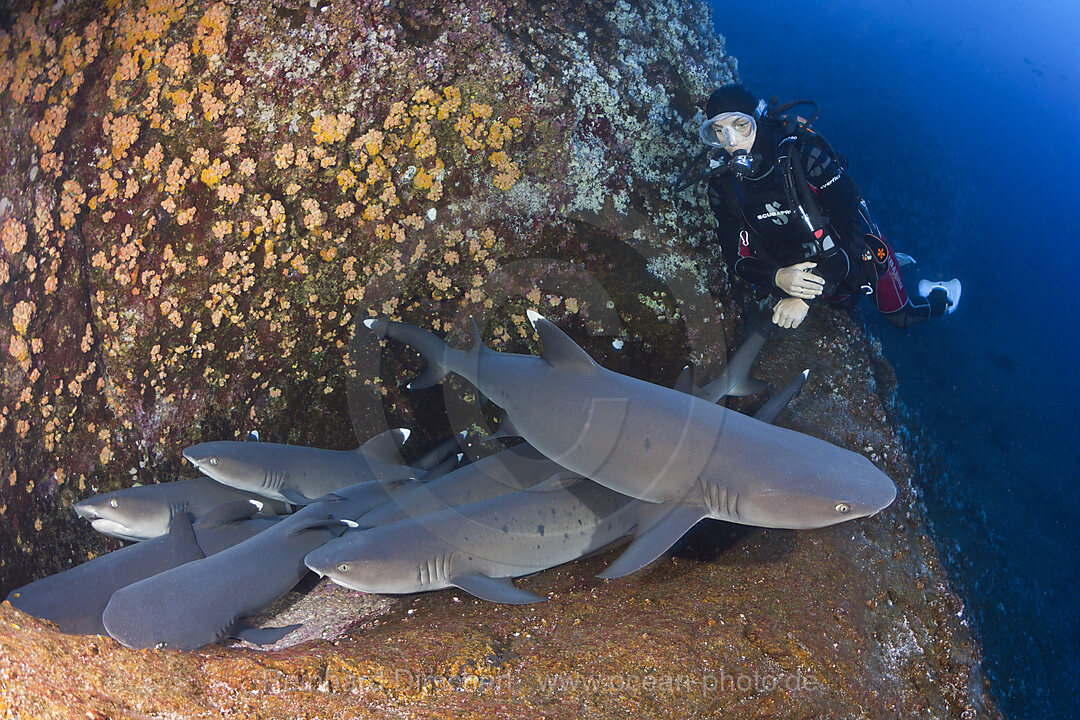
x=659 y=527
x=430 y=347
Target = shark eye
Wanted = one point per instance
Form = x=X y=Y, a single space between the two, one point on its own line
x=213 y=461
x=114 y=503
x=343 y=567
x=843 y=508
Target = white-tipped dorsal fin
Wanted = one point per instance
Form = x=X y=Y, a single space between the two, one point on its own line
x=559 y=349
x=370 y=323
x=386 y=446
x=806 y=373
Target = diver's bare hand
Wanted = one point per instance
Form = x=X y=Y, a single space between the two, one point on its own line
x=797 y=280
x=790 y=312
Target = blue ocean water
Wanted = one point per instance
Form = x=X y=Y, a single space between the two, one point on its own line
x=959 y=120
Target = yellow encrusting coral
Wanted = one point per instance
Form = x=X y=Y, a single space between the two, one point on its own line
x=210 y=240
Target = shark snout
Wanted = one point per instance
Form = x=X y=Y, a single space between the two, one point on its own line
x=883 y=496
x=319 y=562
x=86 y=509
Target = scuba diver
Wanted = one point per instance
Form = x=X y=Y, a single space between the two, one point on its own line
x=792 y=221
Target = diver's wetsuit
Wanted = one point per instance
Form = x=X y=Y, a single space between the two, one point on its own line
x=769 y=234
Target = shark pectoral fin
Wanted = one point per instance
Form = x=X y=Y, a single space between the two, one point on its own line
x=294 y=497
x=499 y=590
x=228 y=513
x=776 y=404
x=559 y=349
x=385 y=447
x=260 y=636
x=747 y=386
x=659 y=527
x=181 y=545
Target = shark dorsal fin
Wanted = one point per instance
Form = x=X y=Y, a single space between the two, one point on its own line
x=227 y=513
x=559 y=349
x=685 y=382
x=499 y=590
x=385 y=447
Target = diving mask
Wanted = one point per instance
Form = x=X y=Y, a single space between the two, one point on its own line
x=730 y=131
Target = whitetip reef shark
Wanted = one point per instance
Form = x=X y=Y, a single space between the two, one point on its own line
x=75 y=599
x=203 y=601
x=480 y=546
x=145 y=511
x=299 y=474
x=684 y=456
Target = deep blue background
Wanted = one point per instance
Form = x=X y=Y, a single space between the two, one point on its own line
x=959 y=119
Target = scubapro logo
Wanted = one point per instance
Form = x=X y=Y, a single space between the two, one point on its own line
x=775 y=214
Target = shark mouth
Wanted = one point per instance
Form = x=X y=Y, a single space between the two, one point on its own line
x=113 y=529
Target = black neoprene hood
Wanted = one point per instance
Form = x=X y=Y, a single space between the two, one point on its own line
x=731 y=98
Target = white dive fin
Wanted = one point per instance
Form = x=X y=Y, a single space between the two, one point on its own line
x=952 y=290
x=499 y=590
x=660 y=526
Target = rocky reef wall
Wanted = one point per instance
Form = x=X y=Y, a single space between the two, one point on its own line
x=200 y=199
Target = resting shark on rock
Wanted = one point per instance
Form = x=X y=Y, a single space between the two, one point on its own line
x=203 y=601
x=686 y=457
x=480 y=546
x=145 y=511
x=75 y=599
x=298 y=474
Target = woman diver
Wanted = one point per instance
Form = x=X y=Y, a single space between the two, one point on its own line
x=792 y=222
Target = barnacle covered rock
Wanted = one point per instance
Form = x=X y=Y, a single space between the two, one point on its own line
x=201 y=199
